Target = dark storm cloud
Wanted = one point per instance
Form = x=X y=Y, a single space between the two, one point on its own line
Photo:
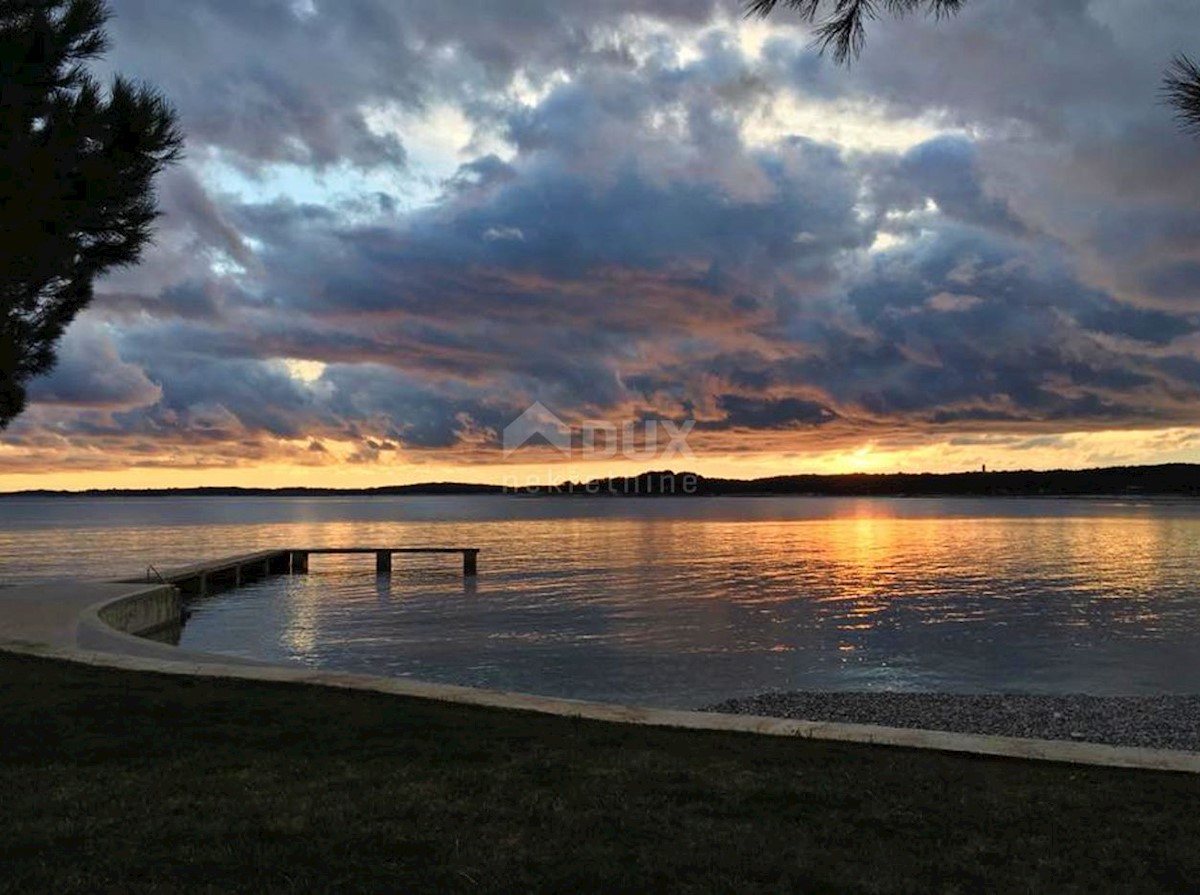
x=621 y=240
x=759 y=413
x=962 y=328
x=943 y=170
x=570 y=229
x=1059 y=67
x=91 y=374
x=1028 y=345
x=193 y=299
x=1064 y=99
x=261 y=398
x=408 y=410
x=184 y=198
x=276 y=80
x=1177 y=280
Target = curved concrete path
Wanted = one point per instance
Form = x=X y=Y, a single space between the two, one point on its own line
x=81 y=621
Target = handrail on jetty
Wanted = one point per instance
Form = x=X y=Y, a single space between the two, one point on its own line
x=202 y=578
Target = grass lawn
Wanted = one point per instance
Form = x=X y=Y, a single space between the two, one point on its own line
x=114 y=781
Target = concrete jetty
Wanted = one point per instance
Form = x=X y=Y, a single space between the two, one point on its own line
x=49 y=614
x=383 y=556
x=233 y=571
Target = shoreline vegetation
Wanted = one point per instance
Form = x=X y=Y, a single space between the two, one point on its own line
x=1167 y=480
x=145 y=782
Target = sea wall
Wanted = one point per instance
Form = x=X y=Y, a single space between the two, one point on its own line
x=145 y=612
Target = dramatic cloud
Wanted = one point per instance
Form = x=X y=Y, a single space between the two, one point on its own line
x=401 y=223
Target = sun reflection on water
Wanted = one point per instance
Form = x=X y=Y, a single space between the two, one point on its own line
x=679 y=602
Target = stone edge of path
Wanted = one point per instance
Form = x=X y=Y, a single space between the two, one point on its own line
x=116 y=649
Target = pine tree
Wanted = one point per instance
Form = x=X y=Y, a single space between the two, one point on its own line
x=841 y=27
x=77 y=165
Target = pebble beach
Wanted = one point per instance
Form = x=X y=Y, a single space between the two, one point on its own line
x=1157 y=722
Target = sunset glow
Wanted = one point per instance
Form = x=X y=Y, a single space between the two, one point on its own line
x=391 y=236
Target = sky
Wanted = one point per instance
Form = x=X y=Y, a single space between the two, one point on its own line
x=401 y=223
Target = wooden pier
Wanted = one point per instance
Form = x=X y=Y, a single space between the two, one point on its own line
x=206 y=577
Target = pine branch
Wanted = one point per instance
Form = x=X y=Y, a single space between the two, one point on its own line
x=1181 y=89
x=841 y=25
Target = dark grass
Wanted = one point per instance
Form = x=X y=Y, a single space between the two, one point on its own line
x=118 y=781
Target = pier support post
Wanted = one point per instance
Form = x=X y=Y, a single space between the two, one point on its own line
x=383 y=562
x=299 y=562
x=470 y=563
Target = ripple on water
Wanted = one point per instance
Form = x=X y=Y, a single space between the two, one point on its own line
x=680 y=602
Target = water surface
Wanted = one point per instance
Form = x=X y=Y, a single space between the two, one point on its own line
x=677 y=602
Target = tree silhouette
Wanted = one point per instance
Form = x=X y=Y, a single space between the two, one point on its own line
x=1182 y=90
x=77 y=165
x=842 y=24
x=841 y=27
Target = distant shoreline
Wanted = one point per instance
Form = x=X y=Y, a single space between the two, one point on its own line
x=1177 y=480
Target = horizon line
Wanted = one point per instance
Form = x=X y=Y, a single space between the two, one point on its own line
x=530 y=488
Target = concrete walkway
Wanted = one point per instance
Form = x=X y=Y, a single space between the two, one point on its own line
x=65 y=618
x=95 y=623
x=48 y=614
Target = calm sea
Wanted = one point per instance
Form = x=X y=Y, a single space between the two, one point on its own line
x=676 y=602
